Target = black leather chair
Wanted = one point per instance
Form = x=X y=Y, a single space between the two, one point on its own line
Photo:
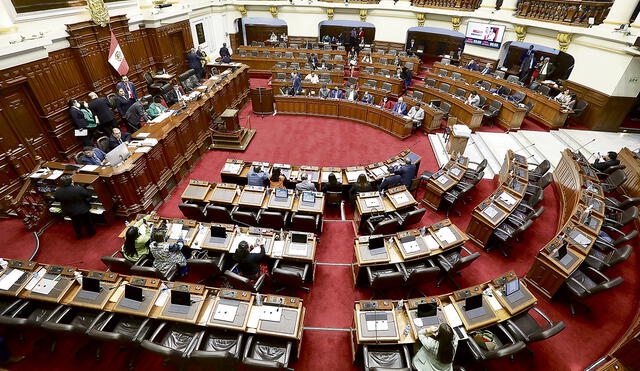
x=506 y=345
x=11 y=315
x=72 y=320
x=621 y=219
x=418 y=272
x=505 y=233
x=206 y=263
x=580 y=286
x=386 y=357
x=244 y=283
x=524 y=327
x=453 y=261
x=290 y=275
x=613 y=181
x=306 y=223
x=173 y=341
x=218 y=214
x=218 y=350
x=192 y=211
x=153 y=86
x=144 y=267
x=542 y=183
x=117 y=264
x=103 y=144
x=612 y=204
x=541 y=169
x=410 y=217
x=385 y=277
x=246 y=216
x=265 y=354
x=479 y=168
x=333 y=198
x=602 y=260
x=605 y=245
x=491 y=112
x=578 y=111
x=385 y=225
x=274 y=219
x=517 y=220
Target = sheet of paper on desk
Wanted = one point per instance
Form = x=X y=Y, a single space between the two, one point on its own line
x=34 y=280
x=495 y=305
x=372 y=202
x=507 y=199
x=400 y=198
x=453 y=319
x=490 y=211
x=162 y=298
x=142 y=135
x=254 y=316
x=455 y=171
x=582 y=239
x=118 y=294
x=197 y=241
x=431 y=243
x=39 y=173
x=231 y=168
x=298 y=249
x=225 y=312
x=149 y=142
x=162 y=117
x=411 y=247
x=142 y=149
x=89 y=168
x=417 y=321
x=55 y=174
x=251 y=240
x=352 y=176
x=378 y=172
x=203 y=87
x=45 y=286
x=378 y=325
x=277 y=248
x=446 y=235
x=176 y=231
x=10 y=278
x=270 y=313
x=443 y=180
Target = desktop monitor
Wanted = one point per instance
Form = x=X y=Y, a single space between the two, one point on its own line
x=473 y=302
x=427 y=310
x=281 y=193
x=118 y=154
x=90 y=284
x=218 y=232
x=180 y=297
x=298 y=238
x=308 y=197
x=511 y=287
x=133 y=292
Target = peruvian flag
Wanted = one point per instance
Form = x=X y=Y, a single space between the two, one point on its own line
x=116 y=58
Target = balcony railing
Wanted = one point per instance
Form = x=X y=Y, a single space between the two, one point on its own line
x=575 y=13
x=469 y=5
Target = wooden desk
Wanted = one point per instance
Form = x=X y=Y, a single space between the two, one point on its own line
x=108 y=284
x=280 y=203
x=397 y=85
x=317 y=207
x=224 y=193
x=400 y=197
x=53 y=285
x=252 y=196
x=466 y=114
x=197 y=301
x=337 y=76
x=197 y=190
x=443 y=180
x=630 y=159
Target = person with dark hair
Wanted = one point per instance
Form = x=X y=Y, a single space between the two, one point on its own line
x=122 y=103
x=92 y=156
x=305 y=184
x=385 y=103
x=393 y=179
x=604 y=162
x=176 y=94
x=167 y=255
x=249 y=261
x=156 y=108
x=276 y=180
x=224 y=53
x=136 y=239
x=438 y=348
x=135 y=114
x=80 y=121
x=128 y=88
x=332 y=184
x=407 y=172
x=74 y=202
x=361 y=185
x=257 y=177
x=102 y=110
x=117 y=138
x=195 y=63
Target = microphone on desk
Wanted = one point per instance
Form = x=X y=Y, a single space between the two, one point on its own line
x=582 y=146
x=523 y=148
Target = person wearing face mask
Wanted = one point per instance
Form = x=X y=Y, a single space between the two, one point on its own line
x=385 y=103
x=80 y=122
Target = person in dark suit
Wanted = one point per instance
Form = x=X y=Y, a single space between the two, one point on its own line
x=604 y=162
x=79 y=121
x=526 y=67
x=122 y=103
x=102 y=110
x=313 y=61
x=412 y=46
x=400 y=107
x=195 y=62
x=224 y=54
x=407 y=172
x=332 y=185
x=367 y=98
x=117 y=138
x=128 y=87
x=135 y=114
x=74 y=202
x=392 y=180
x=472 y=65
x=176 y=93
x=249 y=262
x=297 y=83
x=488 y=69
x=336 y=93
x=92 y=156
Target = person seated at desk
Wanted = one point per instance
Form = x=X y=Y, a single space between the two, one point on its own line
x=473 y=99
x=313 y=61
x=367 y=58
x=324 y=92
x=156 y=108
x=398 y=74
x=336 y=93
x=385 y=103
x=257 y=177
x=352 y=93
x=326 y=39
x=136 y=239
x=397 y=61
x=472 y=65
x=400 y=107
x=367 y=98
x=117 y=138
x=176 y=94
x=488 y=69
x=416 y=114
x=167 y=255
x=277 y=179
x=249 y=260
x=92 y=156
x=438 y=349
x=332 y=185
x=312 y=77
x=393 y=179
x=565 y=99
x=136 y=114
x=408 y=172
x=305 y=184
x=606 y=161
x=273 y=37
x=323 y=66
x=361 y=185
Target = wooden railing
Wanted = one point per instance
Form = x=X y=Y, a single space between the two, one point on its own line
x=354 y=1
x=28 y=205
x=469 y=5
x=575 y=13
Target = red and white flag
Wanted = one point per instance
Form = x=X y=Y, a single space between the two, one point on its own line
x=116 y=57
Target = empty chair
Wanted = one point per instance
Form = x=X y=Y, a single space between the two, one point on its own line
x=386 y=87
x=242 y=53
x=266 y=353
x=506 y=233
x=444 y=87
x=192 y=211
x=206 y=263
x=601 y=260
x=542 y=183
x=277 y=55
x=352 y=81
x=500 y=74
x=442 y=72
x=540 y=170
x=613 y=181
x=295 y=65
x=244 y=283
x=392 y=52
x=117 y=264
x=453 y=262
x=492 y=111
x=333 y=198
x=273 y=219
x=145 y=267
x=431 y=83
x=386 y=357
x=302 y=55
x=513 y=79
x=612 y=203
x=456 y=76
x=618 y=221
x=446 y=61
x=385 y=277
x=173 y=341
x=369 y=70
x=402 y=54
x=580 y=285
x=371 y=83
x=150 y=83
x=338 y=58
x=517 y=219
x=288 y=55
x=460 y=93
x=306 y=223
x=418 y=95
x=246 y=216
x=324 y=77
x=254 y=53
x=482 y=102
x=327 y=47
x=384 y=72
x=419 y=272
x=530 y=106
x=578 y=110
x=505 y=345
x=329 y=66
x=281 y=76
x=410 y=217
x=103 y=144
x=504 y=91
x=382 y=226
x=290 y=275
x=478 y=168
x=544 y=90
x=218 y=214
x=218 y=349
x=71 y=320
x=518 y=97
x=524 y=327
x=485 y=85
x=383 y=61
x=535 y=86
x=445 y=107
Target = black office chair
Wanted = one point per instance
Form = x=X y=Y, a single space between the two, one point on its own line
x=153 y=86
x=578 y=110
x=539 y=171
x=542 y=183
x=444 y=87
x=290 y=275
x=266 y=353
x=103 y=144
x=581 y=286
x=13 y=315
x=117 y=264
x=333 y=198
x=144 y=267
x=192 y=211
x=430 y=83
x=518 y=219
x=174 y=342
x=492 y=111
x=306 y=223
x=620 y=220
x=410 y=217
x=384 y=277
x=273 y=219
x=218 y=214
x=246 y=216
x=525 y=328
x=386 y=357
x=382 y=225
x=613 y=181
x=505 y=345
x=479 y=167
x=453 y=261
x=218 y=350
x=602 y=260
x=72 y=320
x=606 y=244
x=504 y=234
x=206 y=263
x=244 y=283
x=417 y=273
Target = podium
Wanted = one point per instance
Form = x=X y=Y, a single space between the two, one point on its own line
x=262 y=101
x=458 y=140
x=227 y=133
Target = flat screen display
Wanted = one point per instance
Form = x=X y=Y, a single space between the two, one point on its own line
x=484 y=34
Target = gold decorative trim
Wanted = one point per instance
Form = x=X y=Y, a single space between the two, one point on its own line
x=564 y=39
x=329 y=13
x=363 y=15
x=455 y=23
x=635 y=25
x=8 y=29
x=521 y=32
x=609 y=22
x=98 y=12
x=243 y=10
x=421 y=18
x=274 y=11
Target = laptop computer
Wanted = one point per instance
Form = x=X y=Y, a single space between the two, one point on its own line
x=473 y=306
x=563 y=256
x=299 y=238
x=512 y=290
x=180 y=302
x=218 y=234
x=133 y=297
x=308 y=197
x=281 y=193
x=428 y=314
x=376 y=246
x=90 y=288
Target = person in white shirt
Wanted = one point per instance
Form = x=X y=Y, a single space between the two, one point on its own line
x=273 y=37
x=488 y=68
x=565 y=99
x=312 y=78
x=352 y=93
x=416 y=114
x=546 y=68
x=367 y=58
x=473 y=99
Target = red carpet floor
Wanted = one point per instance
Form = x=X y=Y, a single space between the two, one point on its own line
x=326 y=142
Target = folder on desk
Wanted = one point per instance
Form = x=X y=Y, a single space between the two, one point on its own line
x=10 y=278
x=225 y=312
x=372 y=202
x=446 y=235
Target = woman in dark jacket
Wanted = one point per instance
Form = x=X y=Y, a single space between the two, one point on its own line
x=249 y=262
x=332 y=185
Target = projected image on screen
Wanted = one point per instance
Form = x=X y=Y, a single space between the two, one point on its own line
x=484 y=34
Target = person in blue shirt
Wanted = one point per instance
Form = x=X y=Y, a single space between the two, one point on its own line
x=336 y=93
x=407 y=172
x=257 y=177
x=400 y=107
x=367 y=98
x=394 y=179
x=92 y=156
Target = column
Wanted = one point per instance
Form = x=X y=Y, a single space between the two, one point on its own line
x=488 y=6
x=509 y=6
x=621 y=11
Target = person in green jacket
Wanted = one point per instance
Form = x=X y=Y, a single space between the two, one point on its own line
x=88 y=115
x=156 y=108
x=136 y=240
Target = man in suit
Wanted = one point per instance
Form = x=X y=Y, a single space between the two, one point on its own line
x=336 y=93
x=408 y=172
x=610 y=159
x=526 y=67
x=297 y=83
x=123 y=102
x=324 y=92
x=352 y=93
x=92 y=156
x=79 y=121
x=224 y=53
x=412 y=46
x=102 y=110
x=305 y=184
x=546 y=69
x=472 y=65
x=117 y=138
x=74 y=202
x=488 y=69
x=400 y=107
x=128 y=87
x=257 y=177
x=313 y=61
x=367 y=98
x=416 y=114
x=392 y=180
x=176 y=94
x=135 y=114
x=195 y=63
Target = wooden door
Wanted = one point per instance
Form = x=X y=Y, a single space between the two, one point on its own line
x=179 y=51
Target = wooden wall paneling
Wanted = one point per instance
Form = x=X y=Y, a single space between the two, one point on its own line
x=235 y=40
x=10 y=181
x=465 y=58
x=604 y=111
x=261 y=33
x=85 y=43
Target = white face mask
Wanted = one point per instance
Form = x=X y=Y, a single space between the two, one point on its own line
x=77 y=105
